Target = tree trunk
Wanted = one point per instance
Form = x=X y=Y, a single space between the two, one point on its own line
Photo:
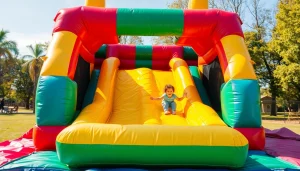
x=27 y=101
x=273 y=106
x=36 y=77
x=34 y=93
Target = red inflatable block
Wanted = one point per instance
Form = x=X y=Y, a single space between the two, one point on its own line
x=191 y=62
x=121 y=51
x=98 y=63
x=255 y=136
x=203 y=29
x=167 y=52
x=44 y=137
x=161 y=65
x=94 y=26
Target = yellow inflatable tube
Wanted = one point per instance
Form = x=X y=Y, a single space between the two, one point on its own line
x=103 y=98
x=196 y=112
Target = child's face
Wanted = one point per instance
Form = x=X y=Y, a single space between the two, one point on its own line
x=169 y=92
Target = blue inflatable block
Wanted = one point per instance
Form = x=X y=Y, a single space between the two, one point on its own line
x=240 y=101
x=56 y=98
x=90 y=92
x=199 y=85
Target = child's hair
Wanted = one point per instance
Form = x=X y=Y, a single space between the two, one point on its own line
x=169 y=86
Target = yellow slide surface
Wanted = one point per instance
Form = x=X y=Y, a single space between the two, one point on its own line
x=123 y=97
x=124 y=126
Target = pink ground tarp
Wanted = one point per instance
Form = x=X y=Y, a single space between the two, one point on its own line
x=10 y=150
x=283 y=143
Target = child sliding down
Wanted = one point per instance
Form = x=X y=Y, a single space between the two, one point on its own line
x=168 y=99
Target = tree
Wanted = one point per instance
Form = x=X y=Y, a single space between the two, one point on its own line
x=237 y=6
x=45 y=45
x=33 y=65
x=24 y=85
x=179 y=4
x=8 y=72
x=164 y=40
x=132 y=40
x=8 y=50
x=285 y=41
x=266 y=60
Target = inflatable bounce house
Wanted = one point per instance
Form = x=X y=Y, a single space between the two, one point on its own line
x=93 y=107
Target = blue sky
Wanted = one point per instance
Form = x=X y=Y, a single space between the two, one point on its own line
x=31 y=21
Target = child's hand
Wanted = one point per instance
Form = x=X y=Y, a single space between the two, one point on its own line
x=185 y=94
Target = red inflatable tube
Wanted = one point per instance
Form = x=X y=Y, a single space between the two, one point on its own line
x=85 y=22
x=127 y=64
x=121 y=51
x=202 y=28
x=191 y=62
x=166 y=52
x=98 y=63
x=86 y=55
x=205 y=28
x=222 y=57
x=44 y=137
x=124 y=63
x=214 y=22
x=255 y=136
x=161 y=64
x=208 y=57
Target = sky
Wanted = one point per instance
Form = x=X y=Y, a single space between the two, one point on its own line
x=31 y=21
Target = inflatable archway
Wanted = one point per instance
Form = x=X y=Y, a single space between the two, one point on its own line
x=104 y=115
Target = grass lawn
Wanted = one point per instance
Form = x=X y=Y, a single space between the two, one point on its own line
x=14 y=125
x=294 y=126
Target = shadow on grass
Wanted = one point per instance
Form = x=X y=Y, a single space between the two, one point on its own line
x=13 y=114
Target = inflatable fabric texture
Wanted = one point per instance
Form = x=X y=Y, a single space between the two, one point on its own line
x=199 y=84
x=255 y=136
x=120 y=125
x=44 y=137
x=151 y=145
x=89 y=95
x=55 y=100
x=237 y=114
x=172 y=20
x=48 y=161
x=140 y=133
x=153 y=57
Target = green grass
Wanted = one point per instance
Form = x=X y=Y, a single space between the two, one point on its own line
x=294 y=126
x=282 y=116
x=13 y=126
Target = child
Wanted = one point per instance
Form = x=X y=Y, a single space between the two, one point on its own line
x=168 y=99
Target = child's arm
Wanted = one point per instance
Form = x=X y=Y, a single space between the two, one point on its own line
x=181 y=98
x=156 y=98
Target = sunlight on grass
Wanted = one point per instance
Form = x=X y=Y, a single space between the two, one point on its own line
x=279 y=124
x=13 y=126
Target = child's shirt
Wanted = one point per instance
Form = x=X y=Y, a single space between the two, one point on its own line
x=167 y=99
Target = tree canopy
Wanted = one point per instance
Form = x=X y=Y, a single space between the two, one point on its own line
x=286 y=42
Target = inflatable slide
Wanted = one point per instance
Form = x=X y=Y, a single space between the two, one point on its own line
x=93 y=102
x=122 y=126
